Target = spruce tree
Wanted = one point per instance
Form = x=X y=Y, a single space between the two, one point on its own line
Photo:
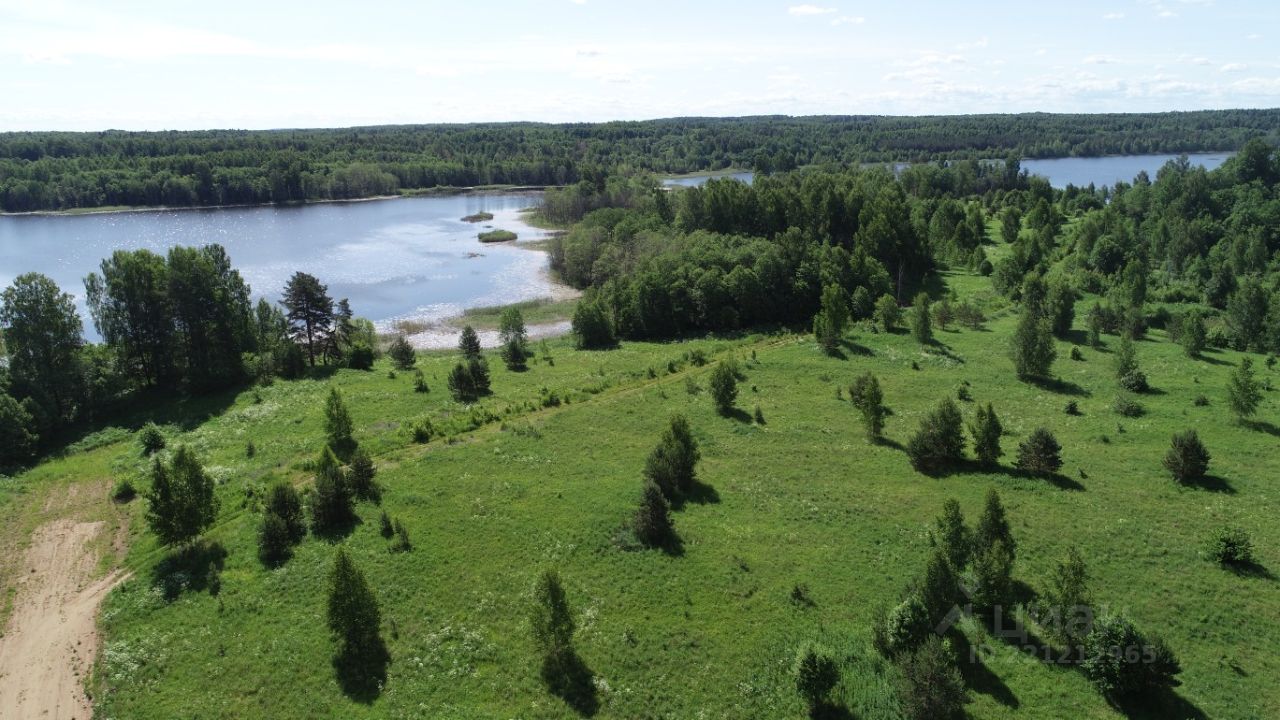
x=273 y=540
x=461 y=385
x=1032 y=348
x=1187 y=459
x=402 y=353
x=1192 y=333
x=652 y=523
x=283 y=502
x=887 y=312
x=939 y=443
x=724 y=387
x=953 y=536
x=469 y=342
x=1066 y=606
x=921 y=323
x=361 y=476
x=331 y=505
x=337 y=422
x=514 y=339
x=986 y=430
x=553 y=626
x=354 y=617
x=993 y=526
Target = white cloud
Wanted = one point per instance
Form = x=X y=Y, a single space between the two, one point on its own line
x=1234 y=67
x=1113 y=16
x=809 y=10
x=1201 y=61
x=1253 y=36
x=848 y=20
x=1099 y=60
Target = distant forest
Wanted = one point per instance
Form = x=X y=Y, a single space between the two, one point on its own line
x=66 y=170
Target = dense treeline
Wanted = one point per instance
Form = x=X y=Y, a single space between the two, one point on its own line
x=178 y=322
x=59 y=170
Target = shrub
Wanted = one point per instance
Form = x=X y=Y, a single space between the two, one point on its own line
x=1040 y=454
x=18 y=434
x=1231 y=546
x=514 y=339
x=887 y=312
x=671 y=466
x=151 y=439
x=1072 y=408
x=360 y=357
x=1076 y=354
x=940 y=587
x=1192 y=334
x=273 y=540
x=1122 y=663
x=1201 y=401
x=1187 y=459
x=1243 y=393
x=953 y=536
x=1128 y=407
x=759 y=416
x=385 y=527
x=921 y=326
x=402 y=353
x=939 y=443
x=905 y=627
x=337 y=421
x=401 y=542
x=1065 y=608
x=866 y=395
x=1135 y=381
x=422 y=431
x=986 y=431
x=930 y=687
x=652 y=522
x=724 y=387
x=469 y=380
x=816 y=675
x=420 y=382
x=123 y=491
x=283 y=502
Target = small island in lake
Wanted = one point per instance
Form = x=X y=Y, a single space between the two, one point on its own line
x=497 y=236
x=478 y=217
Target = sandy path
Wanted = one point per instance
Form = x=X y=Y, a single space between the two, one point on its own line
x=51 y=639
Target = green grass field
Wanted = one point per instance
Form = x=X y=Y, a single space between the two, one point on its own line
x=709 y=631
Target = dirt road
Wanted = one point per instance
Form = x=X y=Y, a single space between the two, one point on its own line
x=49 y=644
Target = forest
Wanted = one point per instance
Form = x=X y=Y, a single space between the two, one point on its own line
x=65 y=170
x=841 y=442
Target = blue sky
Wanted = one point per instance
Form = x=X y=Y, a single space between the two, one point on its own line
x=179 y=65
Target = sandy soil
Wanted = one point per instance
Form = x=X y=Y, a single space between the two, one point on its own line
x=49 y=645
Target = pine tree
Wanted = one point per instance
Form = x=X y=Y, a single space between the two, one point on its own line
x=993 y=575
x=939 y=443
x=337 y=422
x=469 y=343
x=953 y=536
x=361 y=476
x=353 y=616
x=1187 y=459
x=830 y=322
x=930 y=687
x=273 y=540
x=993 y=526
x=671 y=466
x=478 y=368
x=652 y=522
x=181 y=501
x=986 y=430
x=887 y=312
x=461 y=385
x=514 y=339
x=866 y=395
x=940 y=587
x=724 y=387
x=1040 y=453
x=402 y=353
x=283 y=502
x=1243 y=393
x=331 y=506
x=1066 y=605
x=310 y=313
x=1131 y=378
x=921 y=323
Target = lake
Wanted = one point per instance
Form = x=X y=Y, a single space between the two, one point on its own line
x=1112 y=169
x=401 y=259
x=696 y=180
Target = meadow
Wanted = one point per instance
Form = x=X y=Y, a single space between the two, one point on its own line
x=802 y=531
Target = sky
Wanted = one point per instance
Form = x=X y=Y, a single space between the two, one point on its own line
x=276 y=63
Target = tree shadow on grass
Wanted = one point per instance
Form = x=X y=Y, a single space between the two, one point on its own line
x=338 y=530
x=854 y=348
x=361 y=670
x=698 y=493
x=1058 y=385
x=194 y=567
x=1158 y=704
x=1208 y=357
x=977 y=676
x=1263 y=426
x=1211 y=483
x=738 y=414
x=1251 y=570
x=568 y=678
x=830 y=711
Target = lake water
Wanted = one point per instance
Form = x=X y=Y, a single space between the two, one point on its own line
x=1113 y=169
x=403 y=259
x=695 y=180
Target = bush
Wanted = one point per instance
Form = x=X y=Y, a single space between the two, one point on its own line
x=422 y=431
x=1032 y=348
x=1135 y=382
x=283 y=502
x=1128 y=407
x=592 y=327
x=671 y=466
x=1231 y=546
x=420 y=382
x=724 y=387
x=1187 y=459
x=385 y=527
x=887 y=312
x=1201 y=401
x=930 y=687
x=1040 y=454
x=469 y=380
x=123 y=491
x=360 y=357
x=273 y=540
x=816 y=675
x=401 y=542
x=866 y=395
x=402 y=353
x=939 y=443
x=18 y=435
x=904 y=628
x=1243 y=393
x=1072 y=408
x=181 y=502
x=151 y=439
x=1076 y=354
x=338 y=426
x=921 y=326
x=1122 y=663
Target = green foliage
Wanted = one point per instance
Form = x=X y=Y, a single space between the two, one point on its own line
x=939 y=587
x=123 y=491
x=1123 y=663
x=829 y=324
x=274 y=545
x=354 y=617
x=1040 y=453
x=904 y=628
x=1126 y=406
x=652 y=522
x=514 y=339
x=1231 y=546
x=283 y=502
x=939 y=443
x=865 y=394
x=41 y=331
x=888 y=314
x=993 y=526
x=18 y=437
x=360 y=357
x=332 y=507
x=816 y=675
x=1127 y=373
x=671 y=466
x=953 y=536
x=993 y=577
x=402 y=353
x=401 y=542
x=151 y=439
x=986 y=431
x=1032 y=347
x=1187 y=459
x=930 y=687
x=310 y=313
x=920 y=320
x=181 y=502
x=469 y=380
x=1243 y=392
x=552 y=626
x=420 y=382
x=1060 y=308
x=338 y=427
x=497 y=236
x=469 y=343
x=592 y=327
x=724 y=387
x=1192 y=333
x=385 y=527
x=361 y=475
x=1065 y=605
